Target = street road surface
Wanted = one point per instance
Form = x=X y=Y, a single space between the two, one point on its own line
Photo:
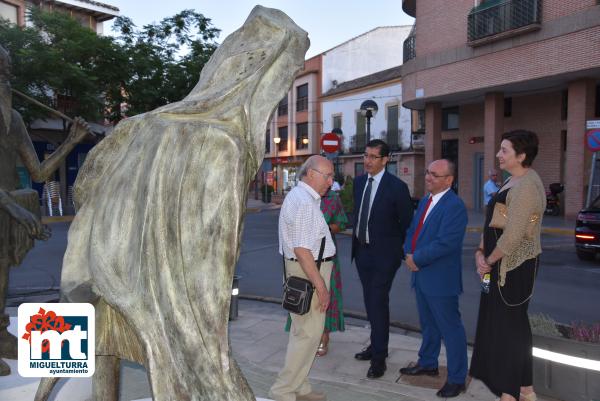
x=567 y=289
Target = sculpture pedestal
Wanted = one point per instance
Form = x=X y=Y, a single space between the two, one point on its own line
x=17 y=388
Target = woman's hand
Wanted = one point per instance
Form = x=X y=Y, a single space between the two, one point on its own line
x=334 y=228
x=482 y=266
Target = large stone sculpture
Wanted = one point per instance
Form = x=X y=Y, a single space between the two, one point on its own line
x=20 y=209
x=160 y=210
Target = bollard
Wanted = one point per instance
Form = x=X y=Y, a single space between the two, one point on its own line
x=235 y=291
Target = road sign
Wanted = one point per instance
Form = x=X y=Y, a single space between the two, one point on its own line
x=330 y=143
x=592 y=139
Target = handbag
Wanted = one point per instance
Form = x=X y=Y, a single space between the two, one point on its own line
x=298 y=291
x=500 y=217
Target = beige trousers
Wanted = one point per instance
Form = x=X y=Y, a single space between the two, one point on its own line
x=304 y=339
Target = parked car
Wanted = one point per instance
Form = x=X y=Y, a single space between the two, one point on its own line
x=587 y=231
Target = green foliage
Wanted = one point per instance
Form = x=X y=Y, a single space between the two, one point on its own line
x=57 y=58
x=158 y=72
x=347 y=195
x=543 y=325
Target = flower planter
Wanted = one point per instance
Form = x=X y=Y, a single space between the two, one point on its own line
x=565 y=382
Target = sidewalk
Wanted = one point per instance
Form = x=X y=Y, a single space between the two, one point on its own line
x=259 y=344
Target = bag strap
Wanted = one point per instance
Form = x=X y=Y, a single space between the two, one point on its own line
x=537 y=261
x=319 y=260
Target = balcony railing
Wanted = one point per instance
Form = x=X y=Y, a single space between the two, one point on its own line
x=494 y=17
x=302 y=103
x=394 y=139
x=357 y=143
x=282 y=109
x=408 y=51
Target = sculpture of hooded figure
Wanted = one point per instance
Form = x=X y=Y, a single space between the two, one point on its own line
x=161 y=203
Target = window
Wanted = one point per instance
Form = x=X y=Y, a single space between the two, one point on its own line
x=302 y=97
x=392 y=168
x=283 y=134
x=9 y=12
x=393 y=137
x=337 y=122
x=450 y=118
x=302 y=136
x=359 y=169
x=358 y=141
x=508 y=107
x=268 y=141
x=282 y=109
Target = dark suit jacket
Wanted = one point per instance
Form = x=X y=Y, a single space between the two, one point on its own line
x=390 y=216
x=438 y=250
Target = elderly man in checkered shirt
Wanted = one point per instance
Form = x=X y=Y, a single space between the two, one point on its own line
x=301 y=230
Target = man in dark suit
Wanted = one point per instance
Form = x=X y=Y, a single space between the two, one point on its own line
x=433 y=250
x=383 y=210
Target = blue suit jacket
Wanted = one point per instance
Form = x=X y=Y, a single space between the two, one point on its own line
x=390 y=216
x=438 y=250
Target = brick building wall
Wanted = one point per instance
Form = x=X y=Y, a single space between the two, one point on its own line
x=552 y=9
x=573 y=52
x=441 y=25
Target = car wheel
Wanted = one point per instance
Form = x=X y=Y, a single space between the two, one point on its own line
x=586 y=255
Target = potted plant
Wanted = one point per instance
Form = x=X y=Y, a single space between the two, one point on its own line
x=557 y=378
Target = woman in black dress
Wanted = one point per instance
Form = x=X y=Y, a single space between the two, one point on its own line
x=508 y=254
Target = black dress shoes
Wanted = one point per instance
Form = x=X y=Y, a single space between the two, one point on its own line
x=418 y=370
x=364 y=355
x=376 y=370
x=451 y=390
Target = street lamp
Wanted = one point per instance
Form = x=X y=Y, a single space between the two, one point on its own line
x=305 y=141
x=276 y=140
x=368 y=108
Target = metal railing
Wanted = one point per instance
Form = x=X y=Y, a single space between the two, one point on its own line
x=358 y=143
x=394 y=139
x=282 y=109
x=408 y=49
x=501 y=17
x=302 y=103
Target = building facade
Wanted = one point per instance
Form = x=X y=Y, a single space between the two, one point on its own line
x=479 y=70
x=47 y=134
x=342 y=114
x=294 y=129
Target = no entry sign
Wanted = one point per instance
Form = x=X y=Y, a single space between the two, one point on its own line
x=330 y=143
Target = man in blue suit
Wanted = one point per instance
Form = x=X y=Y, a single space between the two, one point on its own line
x=383 y=210
x=433 y=250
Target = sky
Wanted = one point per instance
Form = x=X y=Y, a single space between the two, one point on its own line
x=328 y=22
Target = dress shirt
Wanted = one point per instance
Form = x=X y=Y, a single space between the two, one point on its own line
x=489 y=188
x=434 y=201
x=302 y=225
x=374 y=186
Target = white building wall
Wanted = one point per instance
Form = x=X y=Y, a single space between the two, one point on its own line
x=366 y=54
x=347 y=106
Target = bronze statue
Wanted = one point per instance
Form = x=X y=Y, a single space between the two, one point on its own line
x=160 y=206
x=20 y=220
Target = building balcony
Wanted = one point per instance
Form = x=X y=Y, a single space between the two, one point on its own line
x=302 y=104
x=358 y=143
x=497 y=19
x=408 y=51
x=393 y=138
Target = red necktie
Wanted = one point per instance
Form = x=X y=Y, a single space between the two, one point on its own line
x=420 y=225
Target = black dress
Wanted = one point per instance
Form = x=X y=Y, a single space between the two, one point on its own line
x=502 y=353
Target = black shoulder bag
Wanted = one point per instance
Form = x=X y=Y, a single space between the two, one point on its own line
x=298 y=291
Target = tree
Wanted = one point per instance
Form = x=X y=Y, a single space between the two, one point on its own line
x=70 y=68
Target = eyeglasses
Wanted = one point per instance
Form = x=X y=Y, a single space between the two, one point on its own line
x=427 y=172
x=326 y=176
x=372 y=157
